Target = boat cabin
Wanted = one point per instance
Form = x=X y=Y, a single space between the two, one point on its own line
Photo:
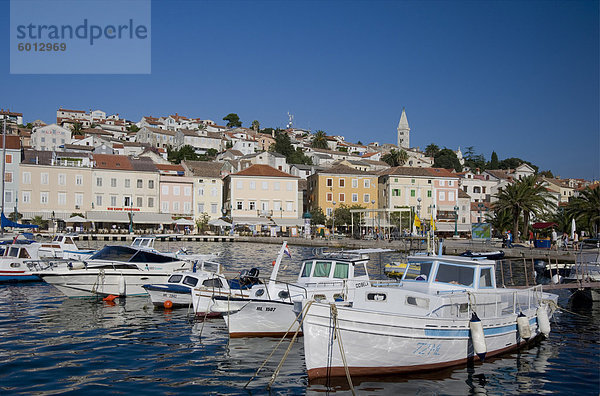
x=144 y=242
x=18 y=251
x=449 y=273
x=333 y=268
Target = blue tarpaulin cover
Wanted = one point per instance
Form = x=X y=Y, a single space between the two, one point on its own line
x=5 y=222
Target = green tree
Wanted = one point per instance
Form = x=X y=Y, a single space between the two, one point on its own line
x=77 y=129
x=395 y=157
x=186 y=152
x=547 y=173
x=319 y=140
x=359 y=143
x=524 y=197
x=512 y=163
x=317 y=216
x=256 y=125
x=29 y=125
x=494 y=163
x=432 y=150
x=447 y=159
x=133 y=128
x=585 y=209
x=500 y=220
x=233 y=120
x=228 y=145
x=473 y=160
x=283 y=145
x=202 y=222
x=37 y=220
x=11 y=216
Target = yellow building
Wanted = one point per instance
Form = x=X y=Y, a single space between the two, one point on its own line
x=342 y=185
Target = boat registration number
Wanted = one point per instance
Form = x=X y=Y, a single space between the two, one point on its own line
x=361 y=284
x=427 y=349
x=169 y=295
x=267 y=309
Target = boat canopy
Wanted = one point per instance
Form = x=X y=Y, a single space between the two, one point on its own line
x=131 y=255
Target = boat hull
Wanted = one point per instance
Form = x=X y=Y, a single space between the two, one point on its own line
x=262 y=318
x=179 y=297
x=377 y=343
x=216 y=302
x=92 y=283
x=16 y=270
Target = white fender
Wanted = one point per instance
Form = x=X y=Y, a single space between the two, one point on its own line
x=556 y=279
x=477 y=336
x=523 y=326
x=543 y=320
x=122 y=286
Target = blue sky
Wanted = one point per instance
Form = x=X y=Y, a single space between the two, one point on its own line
x=518 y=78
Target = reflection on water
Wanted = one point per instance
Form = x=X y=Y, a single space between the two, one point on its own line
x=51 y=344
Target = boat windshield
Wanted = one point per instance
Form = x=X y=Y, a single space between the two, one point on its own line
x=114 y=253
x=322 y=269
x=307 y=268
x=175 y=279
x=417 y=271
x=341 y=270
x=13 y=252
x=190 y=281
x=455 y=274
x=359 y=270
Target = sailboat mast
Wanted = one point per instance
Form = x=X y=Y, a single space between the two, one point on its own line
x=3 y=170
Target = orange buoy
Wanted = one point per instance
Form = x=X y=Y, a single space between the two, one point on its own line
x=273 y=263
x=168 y=304
x=110 y=297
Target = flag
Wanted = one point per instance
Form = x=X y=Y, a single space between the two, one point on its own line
x=286 y=250
x=432 y=223
x=417 y=222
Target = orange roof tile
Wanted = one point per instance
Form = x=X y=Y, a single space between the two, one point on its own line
x=263 y=170
x=109 y=161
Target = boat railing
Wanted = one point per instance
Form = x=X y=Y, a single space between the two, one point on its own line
x=487 y=304
x=289 y=287
x=35 y=265
x=209 y=266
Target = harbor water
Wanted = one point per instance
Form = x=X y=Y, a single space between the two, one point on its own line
x=50 y=344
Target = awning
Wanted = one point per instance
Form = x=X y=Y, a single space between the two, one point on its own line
x=108 y=217
x=447 y=227
x=152 y=218
x=76 y=219
x=184 y=222
x=219 y=223
x=541 y=226
x=252 y=221
x=46 y=215
x=289 y=222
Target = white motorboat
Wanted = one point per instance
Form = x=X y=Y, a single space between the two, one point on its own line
x=177 y=290
x=587 y=263
x=14 y=263
x=268 y=311
x=63 y=246
x=445 y=311
x=114 y=270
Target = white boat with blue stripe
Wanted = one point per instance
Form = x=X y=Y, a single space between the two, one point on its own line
x=445 y=311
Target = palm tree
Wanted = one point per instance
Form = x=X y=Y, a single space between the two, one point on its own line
x=77 y=128
x=255 y=125
x=319 y=140
x=431 y=150
x=585 y=209
x=501 y=220
x=395 y=157
x=523 y=197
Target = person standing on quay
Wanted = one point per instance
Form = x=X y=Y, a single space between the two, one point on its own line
x=554 y=239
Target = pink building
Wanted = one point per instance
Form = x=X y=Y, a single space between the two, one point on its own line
x=176 y=191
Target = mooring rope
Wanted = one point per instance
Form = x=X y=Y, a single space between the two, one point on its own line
x=334 y=313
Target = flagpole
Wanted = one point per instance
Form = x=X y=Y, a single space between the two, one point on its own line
x=3 y=170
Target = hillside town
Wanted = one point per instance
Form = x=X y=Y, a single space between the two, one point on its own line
x=117 y=175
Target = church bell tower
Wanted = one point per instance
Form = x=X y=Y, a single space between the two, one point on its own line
x=403 y=131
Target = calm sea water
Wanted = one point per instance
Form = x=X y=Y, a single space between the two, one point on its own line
x=50 y=344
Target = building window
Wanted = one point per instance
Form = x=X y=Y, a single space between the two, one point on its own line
x=99 y=200
x=213 y=192
x=200 y=208
x=78 y=199
x=201 y=191
x=265 y=185
x=113 y=200
x=127 y=202
x=329 y=197
x=176 y=190
x=451 y=196
x=412 y=181
x=44 y=198
x=44 y=178
x=428 y=194
x=140 y=202
x=367 y=183
x=165 y=189
x=429 y=181
x=442 y=183
x=366 y=198
x=396 y=192
x=78 y=180
x=240 y=205
x=342 y=197
x=127 y=183
x=150 y=202
x=187 y=191
x=289 y=206
x=342 y=182
x=176 y=207
x=8 y=196
x=354 y=183
x=140 y=183
x=329 y=212
x=451 y=183
x=151 y=184
x=113 y=182
x=9 y=158
x=187 y=207
x=252 y=205
x=62 y=179
x=26 y=178
x=277 y=206
x=354 y=197
x=165 y=206
x=329 y=182
x=26 y=196
x=276 y=186
x=213 y=208
x=99 y=182
x=252 y=185
x=442 y=195
x=412 y=193
x=8 y=177
x=239 y=185
x=290 y=186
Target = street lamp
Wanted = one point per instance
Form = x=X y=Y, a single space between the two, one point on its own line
x=456 y=221
x=333 y=221
x=419 y=212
